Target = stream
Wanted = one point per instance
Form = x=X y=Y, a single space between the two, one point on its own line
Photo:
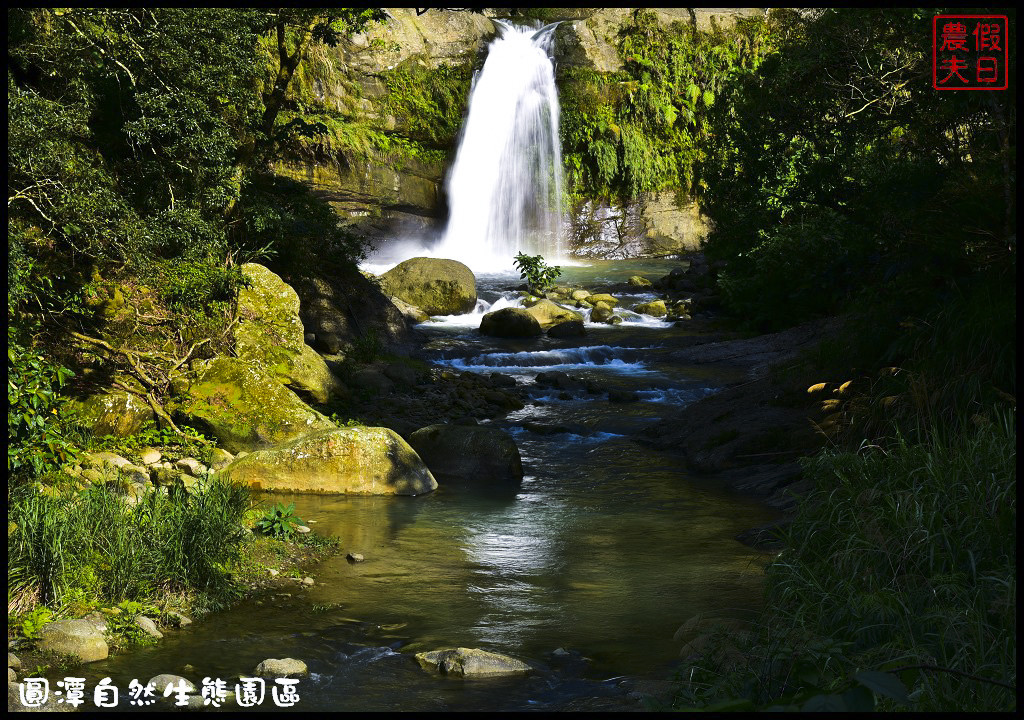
x=601 y=554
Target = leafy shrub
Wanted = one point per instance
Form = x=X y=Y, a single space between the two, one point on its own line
x=538 y=274
x=279 y=522
x=38 y=435
x=366 y=348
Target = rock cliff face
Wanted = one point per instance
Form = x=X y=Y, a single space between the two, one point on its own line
x=587 y=38
x=384 y=191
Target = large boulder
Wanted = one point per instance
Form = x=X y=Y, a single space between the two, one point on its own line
x=78 y=638
x=244 y=407
x=311 y=376
x=468 y=452
x=567 y=328
x=269 y=331
x=548 y=313
x=270 y=334
x=348 y=461
x=471 y=662
x=655 y=308
x=510 y=322
x=340 y=308
x=114 y=412
x=436 y=286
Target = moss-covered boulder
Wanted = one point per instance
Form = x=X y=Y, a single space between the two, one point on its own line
x=436 y=286
x=310 y=375
x=270 y=333
x=655 y=308
x=410 y=312
x=347 y=461
x=245 y=407
x=602 y=312
x=510 y=322
x=548 y=313
x=115 y=412
x=609 y=300
x=77 y=638
x=469 y=452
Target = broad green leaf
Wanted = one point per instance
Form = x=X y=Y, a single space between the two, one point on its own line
x=883 y=683
x=859 y=699
x=825 y=703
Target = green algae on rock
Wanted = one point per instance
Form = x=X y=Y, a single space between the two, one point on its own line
x=246 y=408
x=436 y=286
x=345 y=461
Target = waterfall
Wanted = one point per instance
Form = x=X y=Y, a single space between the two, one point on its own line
x=505 y=187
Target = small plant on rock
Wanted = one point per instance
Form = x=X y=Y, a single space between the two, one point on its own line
x=537 y=273
x=279 y=522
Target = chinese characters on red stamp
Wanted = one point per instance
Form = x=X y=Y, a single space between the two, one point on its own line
x=970 y=52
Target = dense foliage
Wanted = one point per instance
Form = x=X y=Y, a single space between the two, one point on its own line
x=140 y=143
x=836 y=166
x=646 y=127
x=69 y=548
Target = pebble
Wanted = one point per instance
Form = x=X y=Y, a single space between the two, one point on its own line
x=307 y=581
x=354 y=558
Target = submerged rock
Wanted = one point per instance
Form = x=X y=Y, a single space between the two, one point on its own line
x=347 y=461
x=471 y=662
x=568 y=328
x=463 y=452
x=436 y=286
x=510 y=322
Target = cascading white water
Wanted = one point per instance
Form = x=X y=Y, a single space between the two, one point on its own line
x=505 y=187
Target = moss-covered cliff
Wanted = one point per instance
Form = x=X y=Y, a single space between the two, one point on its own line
x=392 y=100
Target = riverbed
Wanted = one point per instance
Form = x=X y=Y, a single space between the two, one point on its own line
x=584 y=571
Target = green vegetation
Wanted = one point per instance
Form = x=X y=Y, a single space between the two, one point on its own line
x=837 y=170
x=839 y=181
x=37 y=438
x=901 y=560
x=72 y=550
x=537 y=273
x=279 y=521
x=647 y=127
x=139 y=142
x=416 y=119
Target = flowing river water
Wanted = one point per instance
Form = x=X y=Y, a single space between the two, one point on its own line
x=605 y=549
